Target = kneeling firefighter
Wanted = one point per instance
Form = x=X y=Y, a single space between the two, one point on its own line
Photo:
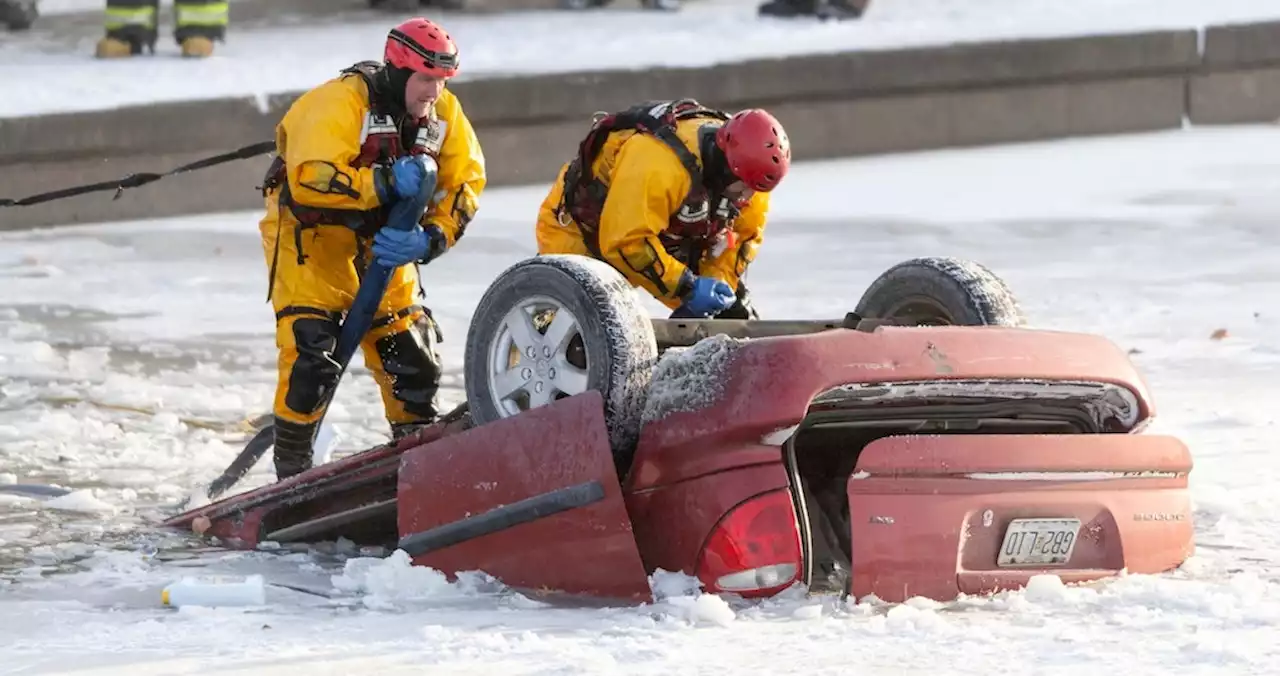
x=348 y=150
x=674 y=196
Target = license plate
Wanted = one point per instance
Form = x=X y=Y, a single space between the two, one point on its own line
x=1038 y=542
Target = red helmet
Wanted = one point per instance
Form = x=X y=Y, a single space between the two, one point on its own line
x=422 y=46
x=756 y=148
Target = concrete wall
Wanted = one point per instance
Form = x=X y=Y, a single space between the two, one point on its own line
x=1238 y=80
x=838 y=104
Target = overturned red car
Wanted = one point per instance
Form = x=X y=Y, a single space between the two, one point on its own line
x=927 y=444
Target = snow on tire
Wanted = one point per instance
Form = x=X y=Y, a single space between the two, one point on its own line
x=557 y=325
x=941 y=291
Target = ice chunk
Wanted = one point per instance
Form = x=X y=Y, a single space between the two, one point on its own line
x=1045 y=589
x=665 y=584
x=387 y=583
x=702 y=609
x=80 y=501
x=687 y=379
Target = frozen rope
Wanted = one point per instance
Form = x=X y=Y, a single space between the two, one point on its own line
x=141 y=179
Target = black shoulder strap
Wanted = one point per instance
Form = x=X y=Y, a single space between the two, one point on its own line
x=657 y=118
x=368 y=71
x=365 y=69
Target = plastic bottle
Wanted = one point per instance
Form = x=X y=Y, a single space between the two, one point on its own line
x=215 y=591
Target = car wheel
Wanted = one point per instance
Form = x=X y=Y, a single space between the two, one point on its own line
x=558 y=325
x=941 y=291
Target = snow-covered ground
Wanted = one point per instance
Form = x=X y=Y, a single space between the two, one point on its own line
x=54 y=7
x=129 y=351
x=54 y=76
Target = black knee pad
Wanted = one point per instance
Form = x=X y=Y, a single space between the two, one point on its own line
x=315 y=372
x=410 y=359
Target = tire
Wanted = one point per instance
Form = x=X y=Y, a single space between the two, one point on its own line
x=941 y=291
x=611 y=333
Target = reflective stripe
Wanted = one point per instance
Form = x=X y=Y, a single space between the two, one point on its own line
x=201 y=14
x=120 y=17
x=379 y=124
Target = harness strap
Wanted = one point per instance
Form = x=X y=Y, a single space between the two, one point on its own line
x=386 y=320
x=295 y=310
x=583 y=195
x=336 y=316
x=275 y=259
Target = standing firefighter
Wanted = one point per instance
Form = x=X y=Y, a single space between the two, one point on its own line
x=674 y=196
x=348 y=151
x=132 y=27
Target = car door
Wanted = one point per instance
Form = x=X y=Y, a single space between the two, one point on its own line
x=533 y=500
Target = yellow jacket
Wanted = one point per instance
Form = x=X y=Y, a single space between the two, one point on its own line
x=646 y=186
x=320 y=137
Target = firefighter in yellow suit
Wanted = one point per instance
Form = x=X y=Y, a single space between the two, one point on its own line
x=347 y=151
x=676 y=199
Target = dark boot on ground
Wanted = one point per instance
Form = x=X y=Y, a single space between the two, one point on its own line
x=18 y=15
x=402 y=430
x=292 y=447
x=822 y=9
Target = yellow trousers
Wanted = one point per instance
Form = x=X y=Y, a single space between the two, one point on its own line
x=310 y=295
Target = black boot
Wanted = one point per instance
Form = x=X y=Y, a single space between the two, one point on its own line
x=292 y=447
x=822 y=9
x=840 y=9
x=18 y=15
x=402 y=430
x=788 y=8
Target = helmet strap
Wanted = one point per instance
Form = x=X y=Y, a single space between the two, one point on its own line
x=389 y=86
x=715 y=168
x=716 y=176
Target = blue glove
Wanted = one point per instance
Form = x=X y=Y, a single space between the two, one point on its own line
x=393 y=247
x=406 y=177
x=708 y=297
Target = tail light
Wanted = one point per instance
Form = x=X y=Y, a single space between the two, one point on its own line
x=755 y=549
